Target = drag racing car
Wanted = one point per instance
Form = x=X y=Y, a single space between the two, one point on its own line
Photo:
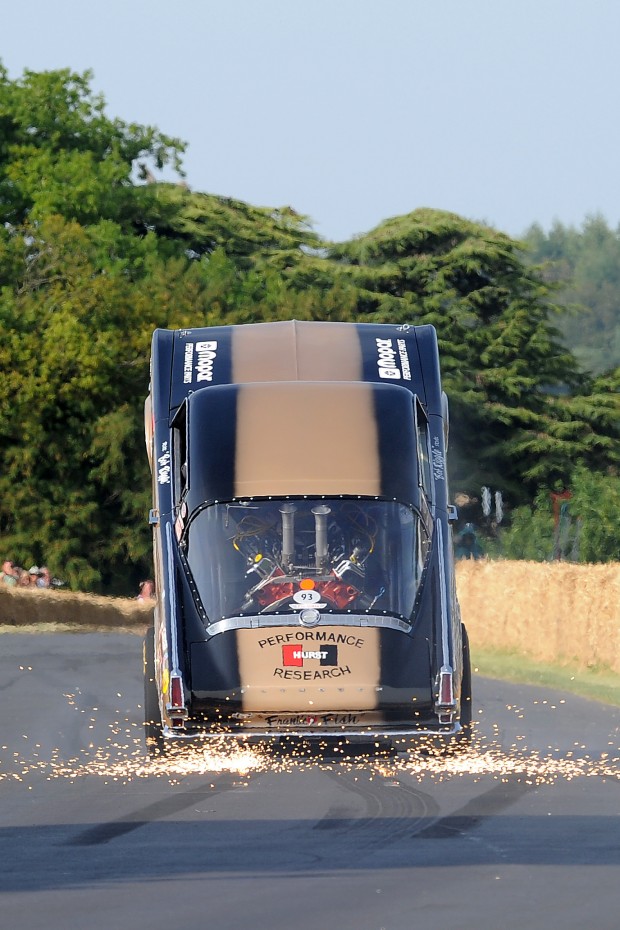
x=302 y=538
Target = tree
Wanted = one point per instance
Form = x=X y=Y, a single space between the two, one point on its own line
x=504 y=368
x=61 y=154
x=585 y=265
x=73 y=363
x=201 y=223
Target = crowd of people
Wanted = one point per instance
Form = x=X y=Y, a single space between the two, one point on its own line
x=40 y=577
x=33 y=577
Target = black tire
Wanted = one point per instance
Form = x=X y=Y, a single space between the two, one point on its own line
x=462 y=740
x=466 y=695
x=153 y=734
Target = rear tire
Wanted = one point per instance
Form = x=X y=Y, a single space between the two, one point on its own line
x=466 y=696
x=461 y=741
x=153 y=733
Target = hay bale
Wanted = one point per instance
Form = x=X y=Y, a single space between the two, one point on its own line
x=46 y=607
x=550 y=611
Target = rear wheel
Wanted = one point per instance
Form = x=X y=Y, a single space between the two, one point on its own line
x=462 y=740
x=466 y=704
x=152 y=717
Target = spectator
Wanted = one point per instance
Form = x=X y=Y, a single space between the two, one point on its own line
x=45 y=579
x=147 y=590
x=466 y=545
x=33 y=573
x=23 y=579
x=8 y=576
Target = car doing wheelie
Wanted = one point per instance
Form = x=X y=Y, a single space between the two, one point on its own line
x=302 y=541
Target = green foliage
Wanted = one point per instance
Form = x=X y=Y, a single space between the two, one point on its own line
x=531 y=533
x=202 y=223
x=71 y=357
x=585 y=265
x=583 y=528
x=595 y=506
x=60 y=153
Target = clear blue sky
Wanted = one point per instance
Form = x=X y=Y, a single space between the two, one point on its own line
x=352 y=111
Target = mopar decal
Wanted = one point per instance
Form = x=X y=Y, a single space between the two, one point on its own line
x=389 y=358
x=205 y=352
x=386 y=361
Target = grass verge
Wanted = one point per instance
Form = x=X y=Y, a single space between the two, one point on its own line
x=596 y=684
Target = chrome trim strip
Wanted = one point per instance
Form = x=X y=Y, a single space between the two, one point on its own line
x=174 y=648
x=446 y=668
x=445 y=642
x=255 y=622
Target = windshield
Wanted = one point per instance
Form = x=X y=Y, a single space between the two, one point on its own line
x=268 y=556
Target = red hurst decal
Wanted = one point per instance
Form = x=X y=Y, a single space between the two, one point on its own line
x=295 y=655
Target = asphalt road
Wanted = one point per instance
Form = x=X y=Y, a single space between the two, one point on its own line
x=523 y=831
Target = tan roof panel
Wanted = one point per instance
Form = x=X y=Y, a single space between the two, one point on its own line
x=296 y=351
x=319 y=438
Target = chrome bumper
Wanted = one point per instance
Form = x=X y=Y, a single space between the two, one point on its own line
x=314 y=735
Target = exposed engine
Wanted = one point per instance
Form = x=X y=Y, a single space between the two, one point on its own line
x=313 y=550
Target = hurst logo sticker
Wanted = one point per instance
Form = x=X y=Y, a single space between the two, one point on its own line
x=295 y=656
x=300 y=663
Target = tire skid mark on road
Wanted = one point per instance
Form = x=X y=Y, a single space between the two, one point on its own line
x=479 y=809
x=158 y=810
x=388 y=814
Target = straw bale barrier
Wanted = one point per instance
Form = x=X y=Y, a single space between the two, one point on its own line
x=551 y=612
x=50 y=608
